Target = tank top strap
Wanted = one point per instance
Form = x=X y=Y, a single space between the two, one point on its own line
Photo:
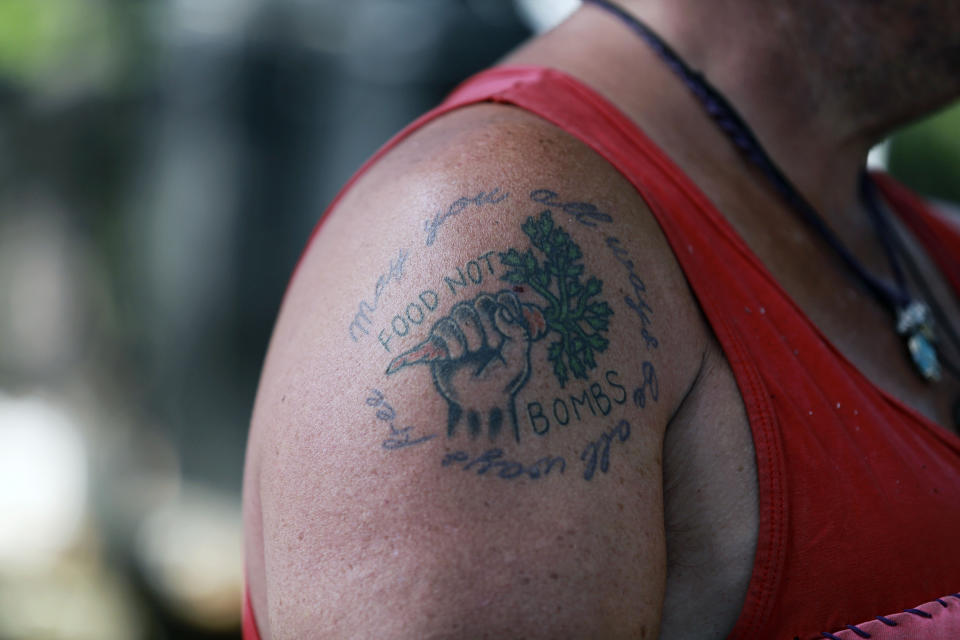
x=727 y=278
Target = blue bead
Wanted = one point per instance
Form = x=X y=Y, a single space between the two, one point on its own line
x=924 y=356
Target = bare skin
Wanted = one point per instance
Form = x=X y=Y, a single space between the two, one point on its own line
x=348 y=538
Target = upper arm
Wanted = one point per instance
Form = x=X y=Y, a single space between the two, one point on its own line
x=460 y=421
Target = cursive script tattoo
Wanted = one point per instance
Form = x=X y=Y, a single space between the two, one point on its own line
x=585 y=213
x=399 y=438
x=492 y=460
x=361 y=321
x=597 y=453
x=649 y=389
x=638 y=303
x=433 y=225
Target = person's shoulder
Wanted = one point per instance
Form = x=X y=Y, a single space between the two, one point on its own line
x=491 y=199
x=460 y=422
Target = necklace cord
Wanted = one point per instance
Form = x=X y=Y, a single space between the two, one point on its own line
x=884 y=230
x=894 y=297
x=740 y=134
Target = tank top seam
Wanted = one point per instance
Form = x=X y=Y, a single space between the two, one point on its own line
x=769 y=555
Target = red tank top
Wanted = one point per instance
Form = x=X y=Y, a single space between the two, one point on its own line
x=859 y=494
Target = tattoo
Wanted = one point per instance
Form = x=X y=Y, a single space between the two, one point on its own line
x=585 y=213
x=432 y=225
x=563 y=410
x=471 y=274
x=399 y=438
x=650 y=387
x=479 y=355
x=393 y=274
x=638 y=305
x=570 y=312
x=589 y=215
x=597 y=453
x=413 y=315
x=492 y=459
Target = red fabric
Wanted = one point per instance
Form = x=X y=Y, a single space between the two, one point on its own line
x=935 y=620
x=859 y=495
x=248 y=621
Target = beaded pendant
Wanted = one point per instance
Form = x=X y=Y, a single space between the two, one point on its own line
x=915 y=324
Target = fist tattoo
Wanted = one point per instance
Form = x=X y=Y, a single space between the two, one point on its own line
x=479 y=356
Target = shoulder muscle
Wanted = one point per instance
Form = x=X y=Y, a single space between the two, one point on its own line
x=460 y=423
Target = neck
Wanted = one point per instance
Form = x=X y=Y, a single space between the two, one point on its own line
x=816 y=117
x=759 y=57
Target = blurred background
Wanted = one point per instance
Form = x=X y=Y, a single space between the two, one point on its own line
x=161 y=165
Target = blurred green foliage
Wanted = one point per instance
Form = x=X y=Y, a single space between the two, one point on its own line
x=59 y=45
x=926 y=155
x=35 y=34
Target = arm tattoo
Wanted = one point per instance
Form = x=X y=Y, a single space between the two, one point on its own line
x=511 y=313
x=480 y=352
x=361 y=320
x=433 y=225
